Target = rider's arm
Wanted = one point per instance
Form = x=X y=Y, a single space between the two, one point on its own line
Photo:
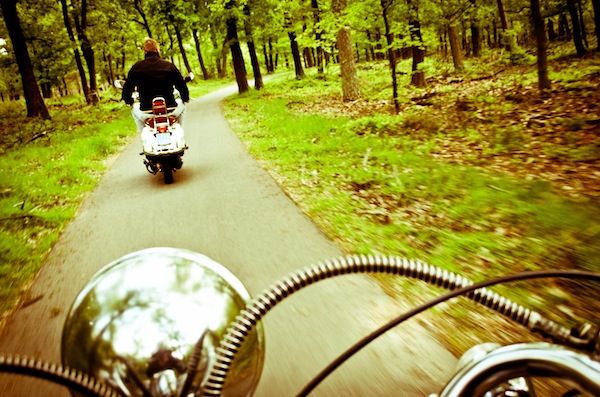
x=181 y=86
x=128 y=89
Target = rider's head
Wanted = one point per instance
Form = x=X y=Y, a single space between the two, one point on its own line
x=150 y=45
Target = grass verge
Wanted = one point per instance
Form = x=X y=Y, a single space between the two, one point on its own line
x=458 y=179
x=46 y=170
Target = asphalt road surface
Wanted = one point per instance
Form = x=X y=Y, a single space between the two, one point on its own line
x=223 y=205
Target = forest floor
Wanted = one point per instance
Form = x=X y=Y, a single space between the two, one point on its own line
x=553 y=136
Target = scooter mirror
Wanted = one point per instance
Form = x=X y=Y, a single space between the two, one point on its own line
x=141 y=321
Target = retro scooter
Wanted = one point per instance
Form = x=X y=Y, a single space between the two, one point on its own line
x=163 y=143
x=163 y=138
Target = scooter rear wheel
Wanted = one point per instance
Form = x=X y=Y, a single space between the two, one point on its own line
x=167 y=173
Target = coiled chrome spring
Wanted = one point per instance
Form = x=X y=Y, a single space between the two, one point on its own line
x=57 y=373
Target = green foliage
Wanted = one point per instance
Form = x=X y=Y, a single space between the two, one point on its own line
x=415 y=124
x=378 y=124
x=421 y=121
x=375 y=183
x=582 y=153
x=507 y=139
x=516 y=55
x=372 y=184
x=117 y=29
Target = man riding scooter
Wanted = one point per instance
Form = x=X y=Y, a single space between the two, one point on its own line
x=154 y=77
x=158 y=114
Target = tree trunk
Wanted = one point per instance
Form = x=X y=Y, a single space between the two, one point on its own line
x=596 y=5
x=218 y=54
x=111 y=71
x=577 y=39
x=465 y=43
x=418 y=77
x=350 y=85
x=88 y=53
x=258 y=81
x=46 y=90
x=542 y=45
x=76 y=54
x=418 y=52
x=205 y=74
x=457 y=57
x=318 y=34
x=505 y=25
x=385 y=4
x=551 y=31
x=122 y=63
x=182 y=49
x=266 y=57
x=222 y=66
x=370 y=49
x=582 y=24
x=271 y=63
x=236 y=56
x=296 y=55
x=476 y=39
x=564 y=32
x=309 y=60
x=33 y=98
x=496 y=38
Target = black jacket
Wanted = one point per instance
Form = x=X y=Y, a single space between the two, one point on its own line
x=154 y=77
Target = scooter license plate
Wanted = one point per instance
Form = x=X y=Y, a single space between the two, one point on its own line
x=163 y=138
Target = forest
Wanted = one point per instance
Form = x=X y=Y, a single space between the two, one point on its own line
x=79 y=47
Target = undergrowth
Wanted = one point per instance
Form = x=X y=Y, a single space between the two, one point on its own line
x=461 y=178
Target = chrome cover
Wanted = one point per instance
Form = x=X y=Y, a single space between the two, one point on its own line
x=136 y=323
x=524 y=360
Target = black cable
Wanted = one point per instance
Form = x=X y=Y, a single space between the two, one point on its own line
x=569 y=274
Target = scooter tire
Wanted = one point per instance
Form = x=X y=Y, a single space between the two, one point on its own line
x=168 y=173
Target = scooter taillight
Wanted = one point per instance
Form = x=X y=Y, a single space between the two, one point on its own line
x=162 y=128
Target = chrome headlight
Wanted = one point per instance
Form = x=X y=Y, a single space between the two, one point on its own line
x=138 y=322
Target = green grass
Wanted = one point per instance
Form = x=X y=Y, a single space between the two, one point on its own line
x=201 y=87
x=371 y=183
x=370 y=179
x=44 y=180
